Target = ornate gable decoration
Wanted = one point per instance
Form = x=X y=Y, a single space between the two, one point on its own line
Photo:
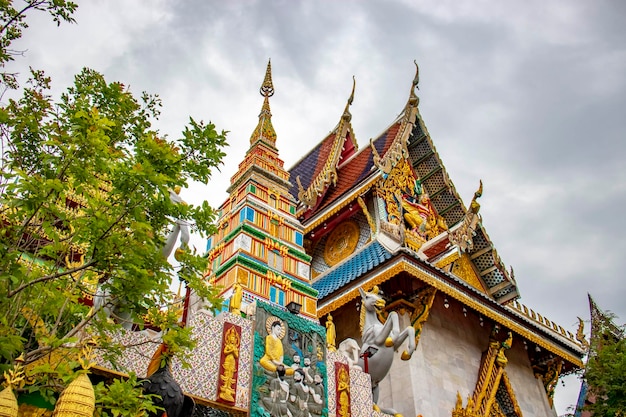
x=406 y=201
x=493 y=395
x=328 y=175
x=399 y=150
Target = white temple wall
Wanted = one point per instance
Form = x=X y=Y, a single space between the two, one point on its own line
x=529 y=391
x=447 y=361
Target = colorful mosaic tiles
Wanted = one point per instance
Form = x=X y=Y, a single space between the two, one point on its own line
x=301 y=339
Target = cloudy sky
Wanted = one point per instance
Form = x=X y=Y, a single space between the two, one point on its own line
x=526 y=96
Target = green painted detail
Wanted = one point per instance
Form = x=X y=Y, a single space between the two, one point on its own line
x=253 y=231
x=304 y=288
x=301 y=324
x=262 y=269
x=292 y=210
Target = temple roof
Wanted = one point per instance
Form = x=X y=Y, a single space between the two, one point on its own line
x=318 y=170
x=370 y=265
x=349 y=175
x=368 y=258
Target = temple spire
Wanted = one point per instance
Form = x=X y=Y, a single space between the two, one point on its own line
x=264 y=131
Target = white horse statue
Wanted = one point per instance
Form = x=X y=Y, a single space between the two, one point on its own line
x=386 y=338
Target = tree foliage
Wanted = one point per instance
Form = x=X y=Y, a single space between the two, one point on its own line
x=605 y=373
x=13 y=21
x=85 y=204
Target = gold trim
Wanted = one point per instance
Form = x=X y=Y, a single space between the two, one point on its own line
x=402 y=265
x=341 y=204
x=341 y=242
x=328 y=174
x=366 y=212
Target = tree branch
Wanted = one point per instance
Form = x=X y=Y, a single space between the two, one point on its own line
x=50 y=277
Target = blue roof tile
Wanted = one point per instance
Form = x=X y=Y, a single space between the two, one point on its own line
x=370 y=256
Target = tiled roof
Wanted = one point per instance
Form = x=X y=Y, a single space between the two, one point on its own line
x=359 y=167
x=368 y=258
x=310 y=166
x=350 y=174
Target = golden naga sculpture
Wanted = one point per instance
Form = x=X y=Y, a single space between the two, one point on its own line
x=463 y=237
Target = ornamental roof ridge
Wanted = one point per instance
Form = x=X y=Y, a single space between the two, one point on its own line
x=343 y=132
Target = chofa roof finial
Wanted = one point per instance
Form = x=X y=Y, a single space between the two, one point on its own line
x=346 y=113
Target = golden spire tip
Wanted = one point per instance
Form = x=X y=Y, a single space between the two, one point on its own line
x=267 y=88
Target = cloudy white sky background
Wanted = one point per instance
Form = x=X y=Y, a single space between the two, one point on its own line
x=528 y=96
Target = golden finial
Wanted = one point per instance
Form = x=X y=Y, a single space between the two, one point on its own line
x=346 y=113
x=267 y=88
x=265 y=130
x=413 y=99
x=416 y=79
x=474 y=205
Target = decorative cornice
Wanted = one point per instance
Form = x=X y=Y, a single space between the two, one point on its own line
x=503 y=317
x=263 y=269
x=340 y=204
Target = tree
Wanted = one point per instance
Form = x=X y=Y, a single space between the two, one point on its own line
x=605 y=373
x=85 y=204
x=13 y=21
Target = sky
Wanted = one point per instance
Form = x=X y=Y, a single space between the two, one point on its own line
x=529 y=96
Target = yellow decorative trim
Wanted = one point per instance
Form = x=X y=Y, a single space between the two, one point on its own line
x=402 y=265
x=399 y=179
x=447 y=260
x=464 y=269
x=509 y=390
x=422 y=304
x=463 y=236
x=413 y=240
x=551 y=377
x=366 y=212
x=398 y=150
x=491 y=374
x=341 y=204
x=278 y=280
x=328 y=174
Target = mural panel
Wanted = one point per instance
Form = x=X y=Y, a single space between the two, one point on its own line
x=290 y=378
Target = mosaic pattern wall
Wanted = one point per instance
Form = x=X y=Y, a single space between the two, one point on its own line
x=289 y=368
x=361 y=404
x=202 y=378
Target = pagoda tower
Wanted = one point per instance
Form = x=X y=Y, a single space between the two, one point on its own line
x=257 y=253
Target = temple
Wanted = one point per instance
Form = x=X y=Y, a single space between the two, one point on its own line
x=387 y=217
x=358 y=283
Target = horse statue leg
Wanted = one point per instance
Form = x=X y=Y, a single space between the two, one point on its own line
x=408 y=332
x=386 y=333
